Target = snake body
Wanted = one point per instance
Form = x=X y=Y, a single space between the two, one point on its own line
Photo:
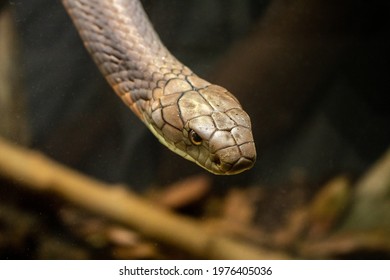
x=200 y=121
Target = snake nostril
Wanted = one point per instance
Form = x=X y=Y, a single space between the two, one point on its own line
x=216 y=160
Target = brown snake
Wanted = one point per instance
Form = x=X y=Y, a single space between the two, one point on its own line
x=200 y=121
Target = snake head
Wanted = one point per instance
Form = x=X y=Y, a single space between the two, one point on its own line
x=206 y=125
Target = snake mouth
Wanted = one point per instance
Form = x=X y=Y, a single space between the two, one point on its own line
x=226 y=168
x=241 y=165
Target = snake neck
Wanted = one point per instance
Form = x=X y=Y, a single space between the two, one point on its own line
x=160 y=88
x=127 y=50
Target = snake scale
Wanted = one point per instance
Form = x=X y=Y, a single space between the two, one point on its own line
x=202 y=122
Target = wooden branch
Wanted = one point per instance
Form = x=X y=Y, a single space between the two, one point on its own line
x=37 y=172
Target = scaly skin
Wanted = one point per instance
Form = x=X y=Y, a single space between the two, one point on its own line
x=202 y=122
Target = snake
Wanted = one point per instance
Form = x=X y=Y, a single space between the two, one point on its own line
x=200 y=121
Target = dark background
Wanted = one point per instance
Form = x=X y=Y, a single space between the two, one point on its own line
x=313 y=76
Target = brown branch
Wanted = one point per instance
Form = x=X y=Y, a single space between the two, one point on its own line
x=37 y=172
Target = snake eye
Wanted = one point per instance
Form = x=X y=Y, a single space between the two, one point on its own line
x=195 y=138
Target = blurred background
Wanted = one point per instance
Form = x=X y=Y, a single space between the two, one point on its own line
x=312 y=76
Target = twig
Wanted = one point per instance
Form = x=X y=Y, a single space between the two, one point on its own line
x=37 y=172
